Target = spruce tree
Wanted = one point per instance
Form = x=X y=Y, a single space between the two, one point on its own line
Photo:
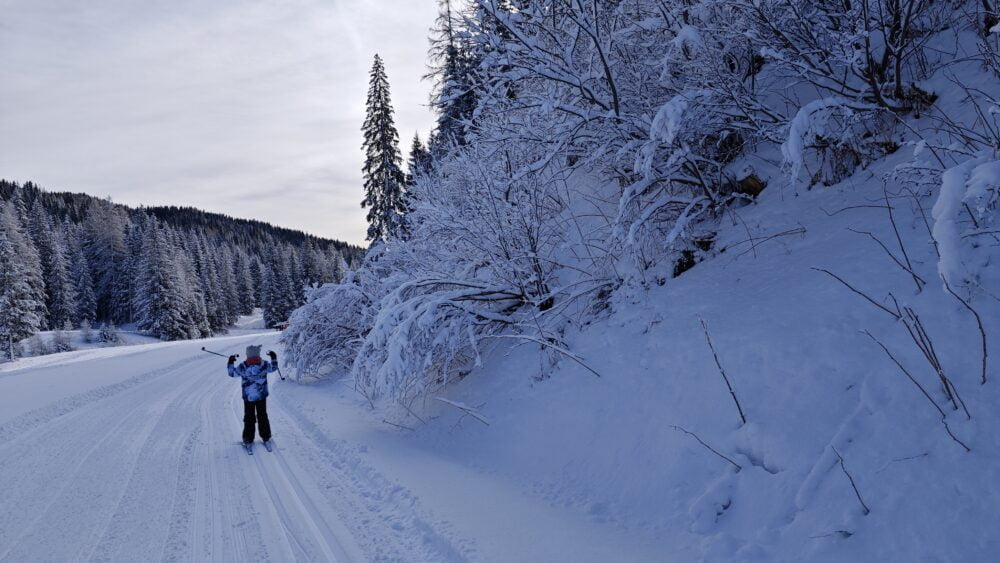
x=419 y=162
x=455 y=98
x=83 y=280
x=383 y=176
x=60 y=293
x=24 y=248
x=19 y=316
x=162 y=303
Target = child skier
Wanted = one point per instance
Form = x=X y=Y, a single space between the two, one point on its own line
x=254 y=372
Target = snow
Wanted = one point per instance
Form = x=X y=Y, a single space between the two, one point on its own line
x=811 y=120
x=609 y=433
x=562 y=465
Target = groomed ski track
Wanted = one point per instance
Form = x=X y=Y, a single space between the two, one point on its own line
x=147 y=466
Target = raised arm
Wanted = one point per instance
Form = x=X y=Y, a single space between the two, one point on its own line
x=234 y=370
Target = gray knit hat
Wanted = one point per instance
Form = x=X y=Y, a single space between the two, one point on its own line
x=253 y=351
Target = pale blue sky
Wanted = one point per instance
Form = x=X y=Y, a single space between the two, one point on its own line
x=247 y=107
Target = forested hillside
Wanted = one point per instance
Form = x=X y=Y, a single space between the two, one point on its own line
x=175 y=273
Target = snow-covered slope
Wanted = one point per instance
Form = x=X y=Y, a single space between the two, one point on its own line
x=613 y=449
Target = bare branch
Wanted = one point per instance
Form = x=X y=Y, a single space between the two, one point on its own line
x=722 y=371
x=849 y=286
x=979 y=321
x=851 y=479
x=709 y=448
x=464 y=408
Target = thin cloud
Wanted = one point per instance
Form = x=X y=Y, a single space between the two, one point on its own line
x=245 y=107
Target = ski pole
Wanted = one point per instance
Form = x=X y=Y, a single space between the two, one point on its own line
x=217 y=354
x=269 y=352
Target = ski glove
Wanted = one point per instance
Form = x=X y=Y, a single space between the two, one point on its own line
x=273 y=355
x=232 y=360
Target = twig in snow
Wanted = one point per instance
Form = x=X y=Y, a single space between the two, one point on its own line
x=916 y=278
x=562 y=351
x=840 y=533
x=397 y=425
x=922 y=339
x=851 y=479
x=709 y=448
x=409 y=410
x=722 y=371
x=927 y=224
x=899 y=240
x=467 y=409
x=937 y=407
x=755 y=242
x=828 y=214
x=912 y=457
x=979 y=321
x=849 y=286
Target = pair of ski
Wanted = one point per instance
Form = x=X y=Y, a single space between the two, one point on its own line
x=249 y=447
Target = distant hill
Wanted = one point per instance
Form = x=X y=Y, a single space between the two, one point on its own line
x=174 y=272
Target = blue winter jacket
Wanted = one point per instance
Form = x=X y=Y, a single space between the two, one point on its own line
x=254 y=378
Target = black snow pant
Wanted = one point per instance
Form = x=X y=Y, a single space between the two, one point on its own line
x=255 y=412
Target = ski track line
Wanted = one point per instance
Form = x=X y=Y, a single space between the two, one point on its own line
x=234 y=520
x=153 y=470
x=293 y=484
x=149 y=475
x=266 y=496
x=21 y=426
x=90 y=475
x=178 y=534
x=382 y=514
x=304 y=526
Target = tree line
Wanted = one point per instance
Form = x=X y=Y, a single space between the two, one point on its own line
x=175 y=273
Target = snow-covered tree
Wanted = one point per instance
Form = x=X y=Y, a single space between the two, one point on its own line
x=61 y=298
x=383 y=178
x=19 y=308
x=30 y=263
x=108 y=253
x=80 y=273
x=164 y=299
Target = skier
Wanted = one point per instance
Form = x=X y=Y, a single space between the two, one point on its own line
x=254 y=372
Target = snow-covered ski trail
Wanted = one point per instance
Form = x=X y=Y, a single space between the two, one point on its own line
x=142 y=466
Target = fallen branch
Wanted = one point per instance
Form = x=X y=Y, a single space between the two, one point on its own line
x=851 y=479
x=710 y=448
x=465 y=408
x=862 y=294
x=723 y=371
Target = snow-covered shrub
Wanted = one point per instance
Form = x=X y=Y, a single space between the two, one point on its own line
x=60 y=342
x=483 y=258
x=967 y=224
x=324 y=335
x=830 y=138
x=86 y=332
x=37 y=345
x=109 y=335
